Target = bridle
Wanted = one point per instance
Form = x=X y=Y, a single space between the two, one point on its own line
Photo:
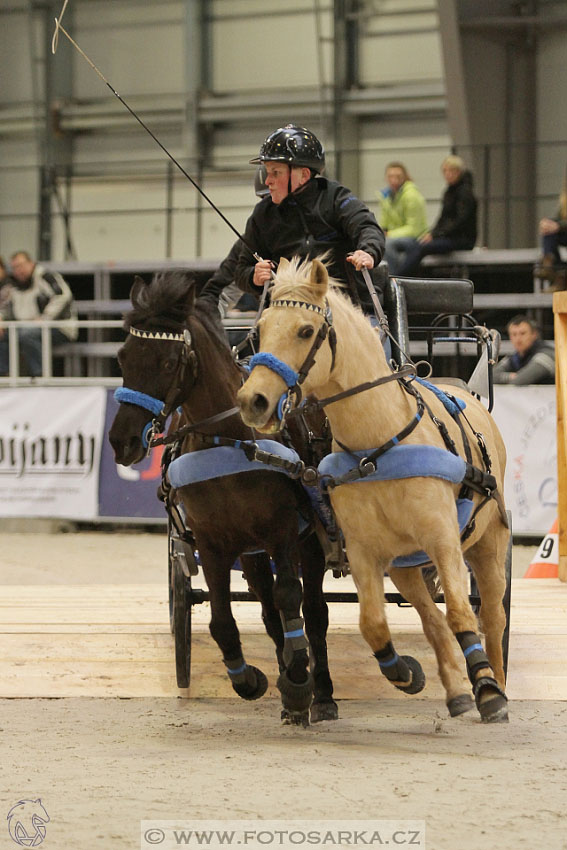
x=294 y=380
x=187 y=364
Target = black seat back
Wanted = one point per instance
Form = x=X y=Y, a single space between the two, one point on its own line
x=405 y=296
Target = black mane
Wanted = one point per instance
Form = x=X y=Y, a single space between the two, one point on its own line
x=167 y=303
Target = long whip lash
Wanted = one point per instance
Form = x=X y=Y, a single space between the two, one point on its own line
x=54 y=43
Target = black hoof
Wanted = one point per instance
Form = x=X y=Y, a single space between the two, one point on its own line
x=324 y=711
x=295 y=697
x=417 y=682
x=459 y=705
x=295 y=718
x=494 y=709
x=254 y=687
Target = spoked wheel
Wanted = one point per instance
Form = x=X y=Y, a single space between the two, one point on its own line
x=507 y=598
x=170 y=562
x=181 y=597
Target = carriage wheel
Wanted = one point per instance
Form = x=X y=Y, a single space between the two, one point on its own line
x=181 y=590
x=170 y=563
x=506 y=599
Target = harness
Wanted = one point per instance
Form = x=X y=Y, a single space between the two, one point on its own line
x=363 y=467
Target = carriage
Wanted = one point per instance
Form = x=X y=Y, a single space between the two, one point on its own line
x=445 y=312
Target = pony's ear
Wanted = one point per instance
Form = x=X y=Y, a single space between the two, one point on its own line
x=319 y=275
x=137 y=287
x=283 y=263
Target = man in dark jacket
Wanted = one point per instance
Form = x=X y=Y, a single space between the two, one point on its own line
x=308 y=215
x=455 y=229
x=533 y=360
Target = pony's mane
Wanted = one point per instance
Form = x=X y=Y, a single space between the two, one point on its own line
x=167 y=303
x=294 y=282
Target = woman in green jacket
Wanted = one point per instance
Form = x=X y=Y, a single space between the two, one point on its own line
x=402 y=215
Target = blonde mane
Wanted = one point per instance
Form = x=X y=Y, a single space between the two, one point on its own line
x=293 y=280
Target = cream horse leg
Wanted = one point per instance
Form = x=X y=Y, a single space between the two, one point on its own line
x=409 y=581
x=490 y=699
x=487 y=560
x=404 y=672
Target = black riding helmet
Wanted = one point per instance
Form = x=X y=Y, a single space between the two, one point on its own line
x=294 y=145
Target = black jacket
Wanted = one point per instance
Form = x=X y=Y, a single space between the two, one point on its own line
x=321 y=217
x=223 y=276
x=458 y=214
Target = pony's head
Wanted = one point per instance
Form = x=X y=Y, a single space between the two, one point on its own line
x=158 y=361
x=296 y=345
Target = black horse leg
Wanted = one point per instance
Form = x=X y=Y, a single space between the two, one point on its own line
x=258 y=573
x=316 y=614
x=295 y=683
x=248 y=682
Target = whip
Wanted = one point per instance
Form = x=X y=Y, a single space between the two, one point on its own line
x=54 y=43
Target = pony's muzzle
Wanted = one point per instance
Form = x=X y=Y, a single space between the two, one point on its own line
x=126 y=451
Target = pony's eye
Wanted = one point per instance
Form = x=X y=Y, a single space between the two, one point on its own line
x=169 y=365
x=306 y=332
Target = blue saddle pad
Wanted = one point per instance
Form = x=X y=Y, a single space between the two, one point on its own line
x=215 y=462
x=406 y=462
x=399 y=462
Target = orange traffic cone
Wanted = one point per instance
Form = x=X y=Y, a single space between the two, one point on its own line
x=546 y=561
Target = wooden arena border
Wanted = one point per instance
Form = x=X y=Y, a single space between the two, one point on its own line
x=560 y=324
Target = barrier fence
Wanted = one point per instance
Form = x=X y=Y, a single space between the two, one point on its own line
x=56 y=461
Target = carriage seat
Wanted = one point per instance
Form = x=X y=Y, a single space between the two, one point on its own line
x=405 y=296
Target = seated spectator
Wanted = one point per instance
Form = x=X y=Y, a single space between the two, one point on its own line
x=455 y=229
x=553 y=232
x=402 y=218
x=5 y=288
x=36 y=295
x=533 y=361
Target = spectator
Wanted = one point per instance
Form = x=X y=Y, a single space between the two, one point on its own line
x=533 y=361
x=5 y=288
x=554 y=233
x=455 y=229
x=403 y=218
x=308 y=215
x=36 y=295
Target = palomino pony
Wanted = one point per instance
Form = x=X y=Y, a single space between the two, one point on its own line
x=176 y=354
x=313 y=339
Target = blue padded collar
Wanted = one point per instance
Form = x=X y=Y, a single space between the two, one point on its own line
x=276 y=365
x=404 y=461
x=202 y=465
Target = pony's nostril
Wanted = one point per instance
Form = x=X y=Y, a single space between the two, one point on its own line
x=260 y=403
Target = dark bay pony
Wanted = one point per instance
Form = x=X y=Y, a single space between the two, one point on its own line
x=176 y=352
x=416 y=467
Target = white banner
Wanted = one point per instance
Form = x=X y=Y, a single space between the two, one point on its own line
x=526 y=417
x=50 y=440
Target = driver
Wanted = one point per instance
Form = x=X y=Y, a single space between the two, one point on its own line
x=308 y=215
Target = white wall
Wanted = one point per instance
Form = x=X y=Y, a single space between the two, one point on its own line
x=140 y=48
